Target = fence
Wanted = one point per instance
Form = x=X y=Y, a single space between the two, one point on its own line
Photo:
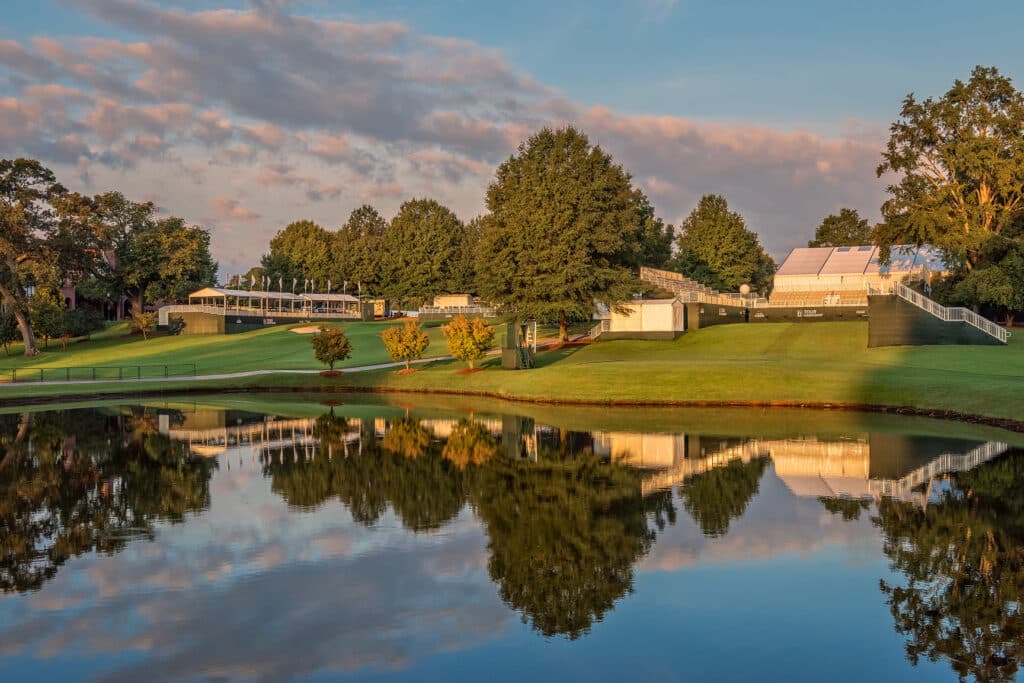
x=98 y=373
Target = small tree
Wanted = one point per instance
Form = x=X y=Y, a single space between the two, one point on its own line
x=330 y=345
x=468 y=339
x=47 y=315
x=82 y=322
x=143 y=323
x=9 y=332
x=405 y=342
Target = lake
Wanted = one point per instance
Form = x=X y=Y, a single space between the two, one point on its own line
x=280 y=538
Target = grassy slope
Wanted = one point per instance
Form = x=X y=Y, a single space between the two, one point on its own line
x=274 y=348
x=812 y=362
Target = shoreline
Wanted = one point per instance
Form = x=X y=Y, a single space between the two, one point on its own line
x=934 y=413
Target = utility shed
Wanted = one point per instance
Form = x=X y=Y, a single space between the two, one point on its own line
x=645 y=319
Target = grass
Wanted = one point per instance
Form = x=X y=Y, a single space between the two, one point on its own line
x=779 y=362
x=274 y=348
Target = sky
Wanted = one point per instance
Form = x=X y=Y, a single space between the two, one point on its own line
x=245 y=115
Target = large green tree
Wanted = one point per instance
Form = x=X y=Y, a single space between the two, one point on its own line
x=185 y=262
x=562 y=230
x=958 y=164
x=845 y=229
x=654 y=236
x=716 y=248
x=722 y=494
x=302 y=250
x=420 y=251
x=28 y=233
x=356 y=250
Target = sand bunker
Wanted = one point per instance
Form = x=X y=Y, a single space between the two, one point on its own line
x=308 y=329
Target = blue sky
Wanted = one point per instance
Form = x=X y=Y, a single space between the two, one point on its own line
x=780 y=106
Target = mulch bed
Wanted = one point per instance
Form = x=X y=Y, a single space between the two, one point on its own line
x=330 y=373
x=406 y=371
x=469 y=371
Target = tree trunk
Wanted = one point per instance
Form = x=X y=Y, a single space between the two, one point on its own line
x=406 y=363
x=563 y=327
x=139 y=301
x=24 y=325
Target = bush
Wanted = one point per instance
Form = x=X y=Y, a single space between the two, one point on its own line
x=468 y=339
x=406 y=342
x=82 y=322
x=330 y=345
x=175 y=325
x=143 y=323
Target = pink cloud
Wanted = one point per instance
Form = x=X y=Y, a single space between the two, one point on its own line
x=226 y=208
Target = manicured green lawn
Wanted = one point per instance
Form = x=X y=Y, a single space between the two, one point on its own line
x=790 y=362
x=275 y=348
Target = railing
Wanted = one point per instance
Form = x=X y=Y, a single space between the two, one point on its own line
x=951 y=314
x=166 y=312
x=481 y=311
x=98 y=373
x=601 y=326
x=944 y=464
x=687 y=290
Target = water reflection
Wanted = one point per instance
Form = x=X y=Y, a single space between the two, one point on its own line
x=566 y=516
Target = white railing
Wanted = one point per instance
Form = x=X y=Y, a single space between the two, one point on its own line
x=952 y=314
x=944 y=464
x=481 y=311
x=166 y=312
x=687 y=290
x=601 y=326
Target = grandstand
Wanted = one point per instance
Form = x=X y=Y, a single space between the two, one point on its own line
x=842 y=276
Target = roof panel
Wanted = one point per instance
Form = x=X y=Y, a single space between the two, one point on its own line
x=847 y=261
x=804 y=261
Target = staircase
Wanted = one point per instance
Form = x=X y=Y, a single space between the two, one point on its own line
x=954 y=314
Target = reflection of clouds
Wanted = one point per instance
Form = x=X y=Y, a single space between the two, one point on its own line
x=776 y=523
x=289 y=595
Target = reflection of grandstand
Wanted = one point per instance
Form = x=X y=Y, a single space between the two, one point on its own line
x=807 y=467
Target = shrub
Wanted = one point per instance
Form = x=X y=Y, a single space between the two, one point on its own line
x=405 y=342
x=82 y=322
x=175 y=325
x=330 y=345
x=143 y=323
x=468 y=339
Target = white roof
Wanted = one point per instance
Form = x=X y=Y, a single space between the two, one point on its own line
x=243 y=293
x=329 y=297
x=859 y=260
x=805 y=261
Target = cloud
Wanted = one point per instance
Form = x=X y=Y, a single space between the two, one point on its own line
x=332 y=114
x=226 y=208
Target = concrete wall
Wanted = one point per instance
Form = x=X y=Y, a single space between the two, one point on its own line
x=895 y=322
x=453 y=300
x=807 y=314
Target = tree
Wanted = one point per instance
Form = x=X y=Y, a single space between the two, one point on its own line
x=406 y=342
x=47 y=311
x=185 y=261
x=302 y=250
x=406 y=437
x=27 y=232
x=358 y=257
x=654 y=237
x=135 y=263
x=561 y=233
x=717 y=250
x=8 y=329
x=960 y=167
x=468 y=339
x=82 y=322
x=143 y=323
x=847 y=229
x=420 y=250
x=330 y=345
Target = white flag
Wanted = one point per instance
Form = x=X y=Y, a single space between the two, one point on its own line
x=252 y=281
x=328 y=286
x=280 y=284
x=295 y=281
x=344 y=287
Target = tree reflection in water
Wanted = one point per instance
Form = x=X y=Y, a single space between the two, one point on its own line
x=718 y=496
x=963 y=562
x=73 y=482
